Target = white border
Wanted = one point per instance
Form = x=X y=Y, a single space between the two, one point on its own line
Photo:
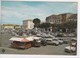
x=50 y=56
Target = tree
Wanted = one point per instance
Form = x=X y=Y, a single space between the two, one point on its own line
x=71 y=25
x=45 y=25
x=36 y=22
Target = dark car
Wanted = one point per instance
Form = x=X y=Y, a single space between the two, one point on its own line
x=59 y=35
x=37 y=43
x=65 y=41
x=20 y=33
x=43 y=42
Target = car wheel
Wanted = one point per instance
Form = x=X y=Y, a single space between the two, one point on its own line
x=45 y=44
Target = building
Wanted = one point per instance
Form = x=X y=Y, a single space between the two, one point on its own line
x=28 y=24
x=53 y=19
x=73 y=17
x=0 y=27
x=65 y=17
x=59 y=19
x=16 y=27
x=8 y=26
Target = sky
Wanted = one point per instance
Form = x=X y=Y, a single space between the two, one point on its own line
x=15 y=12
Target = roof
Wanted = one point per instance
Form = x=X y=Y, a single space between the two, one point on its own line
x=65 y=13
x=21 y=39
x=8 y=24
x=28 y=20
x=52 y=16
x=59 y=14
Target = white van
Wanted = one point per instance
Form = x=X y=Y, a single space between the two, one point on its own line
x=72 y=46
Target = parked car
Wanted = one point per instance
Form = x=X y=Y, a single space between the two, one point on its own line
x=73 y=42
x=49 y=41
x=43 y=42
x=70 y=49
x=74 y=39
x=36 y=42
x=60 y=41
x=66 y=41
x=22 y=43
x=55 y=42
x=72 y=46
x=59 y=35
x=52 y=41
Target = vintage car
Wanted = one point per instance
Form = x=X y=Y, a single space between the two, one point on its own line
x=22 y=43
x=60 y=41
x=55 y=42
x=43 y=42
x=37 y=41
x=72 y=46
x=70 y=49
x=52 y=41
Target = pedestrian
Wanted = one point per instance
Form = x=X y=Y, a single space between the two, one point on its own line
x=3 y=50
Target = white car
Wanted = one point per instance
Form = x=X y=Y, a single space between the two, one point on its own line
x=37 y=41
x=70 y=49
x=52 y=41
x=49 y=41
x=60 y=41
x=39 y=35
x=55 y=42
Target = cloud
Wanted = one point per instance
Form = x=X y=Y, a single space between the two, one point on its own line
x=17 y=12
x=22 y=12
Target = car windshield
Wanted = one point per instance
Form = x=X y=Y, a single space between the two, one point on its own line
x=47 y=37
x=60 y=39
x=73 y=45
x=54 y=39
x=48 y=40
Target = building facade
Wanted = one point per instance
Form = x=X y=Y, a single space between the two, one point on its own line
x=17 y=27
x=28 y=24
x=73 y=17
x=53 y=19
x=65 y=17
x=8 y=26
x=61 y=18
